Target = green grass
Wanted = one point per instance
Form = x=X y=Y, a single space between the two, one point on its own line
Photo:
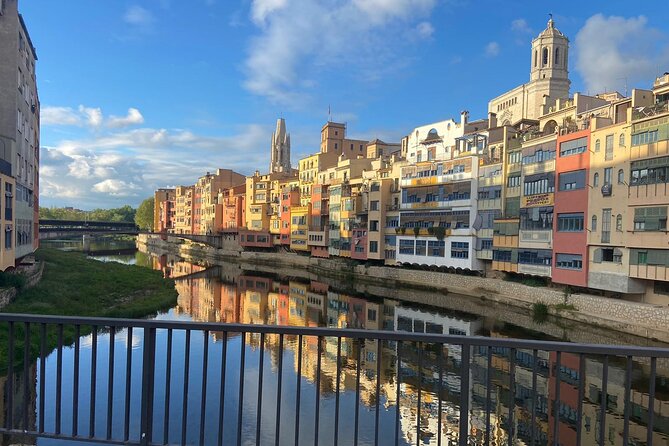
x=568 y=307
x=73 y=285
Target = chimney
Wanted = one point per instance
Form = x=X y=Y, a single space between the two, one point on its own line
x=492 y=120
x=464 y=117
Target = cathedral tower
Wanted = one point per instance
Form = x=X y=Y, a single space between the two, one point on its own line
x=280 y=151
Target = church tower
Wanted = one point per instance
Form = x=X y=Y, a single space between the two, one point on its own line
x=280 y=150
x=549 y=75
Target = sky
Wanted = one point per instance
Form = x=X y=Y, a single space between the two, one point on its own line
x=141 y=94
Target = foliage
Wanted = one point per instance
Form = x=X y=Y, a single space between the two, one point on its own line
x=10 y=280
x=526 y=280
x=416 y=231
x=439 y=232
x=567 y=307
x=539 y=312
x=403 y=229
x=76 y=286
x=123 y=214
x=144 y=214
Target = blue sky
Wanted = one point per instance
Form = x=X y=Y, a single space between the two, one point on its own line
x=137 y=94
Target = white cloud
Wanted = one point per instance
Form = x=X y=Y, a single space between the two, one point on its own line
x=117 y=188
x=425 y=30
x=492 y=49
x=92 y=116
x=59 y=116
x=260 y=9
x=300 y=38
x=134 y=117
x=88 y=117
x=138 y=16
x=614 y=51
x=116 y=167
x=521 y=26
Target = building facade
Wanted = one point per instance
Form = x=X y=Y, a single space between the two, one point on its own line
x=19 y=137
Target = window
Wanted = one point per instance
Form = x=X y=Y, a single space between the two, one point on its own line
x=571 y=180
x=501 y=256
x=597 y=146
x=593 y=225
x=535 y=257
x=642 y=258
x=436 y=248
x=421 y=247
x=544 y=58
x=573 y=147
x=644 y=138
x=608 y=154
x=374 y=225
x=8 y=238
x=515 y=157
x=536 y=219
x=406 y=247
x=538 y=186
x=570 y=222
x=650 y=219
x=513 y=181
x=607 y=175
x=621 y=176
x=569 y=261
x=650 y=171
x=486 y=244
x=373 y=246
x=536 y=57
x=621 y=140
x=460 y=250
x=619 y=223
x=557 y=56
x=595 y=180
x=606 y=225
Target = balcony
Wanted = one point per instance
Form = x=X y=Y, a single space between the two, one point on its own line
x=309 y=376
x=534 y=270
x=437 y=179
x=318 y=238
x=437 y=204
x=484 y=254
x=650 y=111
x=490 y=181
x=540 y=167
x=490 y=203
x=537 y=239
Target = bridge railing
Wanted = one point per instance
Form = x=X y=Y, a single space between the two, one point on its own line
x=142 y=382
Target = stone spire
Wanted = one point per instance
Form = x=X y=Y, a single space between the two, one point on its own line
x=280 y=150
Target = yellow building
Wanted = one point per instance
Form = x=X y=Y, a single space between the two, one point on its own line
x=648 y=199
x=206 y=193
x=299 y=227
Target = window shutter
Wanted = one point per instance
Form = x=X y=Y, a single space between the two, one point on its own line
x=597 y=258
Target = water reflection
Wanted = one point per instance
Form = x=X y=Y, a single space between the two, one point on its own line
x=526 y=408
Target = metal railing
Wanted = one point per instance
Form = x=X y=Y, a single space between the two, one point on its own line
x=143 y=385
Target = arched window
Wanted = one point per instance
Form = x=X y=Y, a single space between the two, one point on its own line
x=597 y=146
x=621 y=176
x=621 y=140
x=619 y=223
x=557 y=57
x=544 y=60
x=593 y=226
x=536 y=56
x=595 y=180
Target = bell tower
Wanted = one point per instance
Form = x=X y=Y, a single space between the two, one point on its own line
x=550 y=54
x=549 y=74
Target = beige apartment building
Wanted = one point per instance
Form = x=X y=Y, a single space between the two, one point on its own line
x=206 y=197
x=183 y=221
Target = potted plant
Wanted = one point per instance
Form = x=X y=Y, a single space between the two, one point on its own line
x=416 y=230
x=439 y=232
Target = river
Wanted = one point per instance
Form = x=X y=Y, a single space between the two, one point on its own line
x=231 y=293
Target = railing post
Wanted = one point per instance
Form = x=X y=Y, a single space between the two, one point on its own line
x=148 y=369
x=464 y=395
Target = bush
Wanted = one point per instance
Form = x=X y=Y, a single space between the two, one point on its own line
x=9 y=280
x=539 y=312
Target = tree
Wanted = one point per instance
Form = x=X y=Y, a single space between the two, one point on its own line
x=144 y=215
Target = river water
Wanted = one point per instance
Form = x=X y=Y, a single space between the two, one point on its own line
x=230 y=293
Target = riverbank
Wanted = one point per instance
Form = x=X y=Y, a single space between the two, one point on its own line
x=638 y=319
x=74 y=285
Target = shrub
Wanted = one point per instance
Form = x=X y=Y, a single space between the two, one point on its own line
x=539 y=312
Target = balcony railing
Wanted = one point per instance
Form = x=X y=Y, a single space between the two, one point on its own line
x=146 y=382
